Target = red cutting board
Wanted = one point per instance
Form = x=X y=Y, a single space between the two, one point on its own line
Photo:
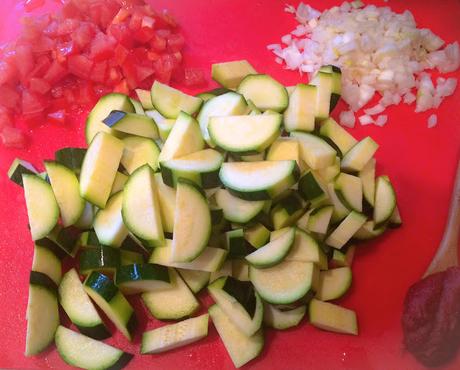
x=420 y=162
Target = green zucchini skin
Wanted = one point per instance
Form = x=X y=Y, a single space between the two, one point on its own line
x=19 y=168
x=41 y=279
x=243 y=292
x=100 y=258
x=139 y=272
x=70 y=157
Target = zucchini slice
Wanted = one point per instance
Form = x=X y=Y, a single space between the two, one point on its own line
x=306 y=249
x=192 y=222
x=324 y=83
x=316 y=152
x=367 y=176
x=257 y=235
x=61 y=241
x=300 y=114
x=395 y=219
x=145 y=98
x=211 y=259
x=128 y=257
x=138 y=108
x=236 y=244
x=340 y=211
x=333 y=283
x=225 y=270
x=336 y=83
x=141 y=277
x=132 y=123
x=100 y=168
x=108 y=223
x=227 y=104
x=66 y=189
x=230 y=74
x=170 y=101
x=18 y=168
x=196 y=280
x=184 y=138
x=119 y=182
x=141 y=208
x=244 y=134
x=331 y=317
x=349 y=189
x=282 y=320
x=200 y=167
x=81 y=351
x=287 y=210
x=101 y=110
x=240 y=302
x=78 y=306
x=385 y=201
x=286 y=282
x=359 y=155
x=273 y=252
x=42 y=318
x=72 y=158
x=236 y=209
x=167 y=201
x=164 y=125
x=346 y=229
x=311 y=189
x=338 y=135
x=240 y=270
x=239 y=346
x=172 y=303
x=103 y=259
x=259 y=180
x=175 y=335
x=329 y=173
x=319 y=219
x=42 y=207
x=139 y=151
x=46 y=262
x=265 y=92
x=85 y=222
x=285 y=148
x=369 y=231
x=108 y=297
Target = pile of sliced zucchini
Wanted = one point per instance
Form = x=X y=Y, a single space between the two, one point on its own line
x=251 y=190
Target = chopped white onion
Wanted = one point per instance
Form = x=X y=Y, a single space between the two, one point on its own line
x=381 y=120
x=377 y=50
x=432 y=121
x=365 y=120
x=347 y=118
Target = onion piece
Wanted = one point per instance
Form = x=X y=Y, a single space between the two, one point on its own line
x=347 y=118
x=365 y=120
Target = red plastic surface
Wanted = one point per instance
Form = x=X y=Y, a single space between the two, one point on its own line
x=419 y=161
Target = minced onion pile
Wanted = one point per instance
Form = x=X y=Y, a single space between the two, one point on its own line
x=379 y=51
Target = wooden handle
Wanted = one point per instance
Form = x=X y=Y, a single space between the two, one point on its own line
x=447 y=254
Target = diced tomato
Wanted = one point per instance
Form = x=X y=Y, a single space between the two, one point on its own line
x=130 y=73
x=85 y=94
x=31 y=5
x=122 y=34
x=25 y=60
x=163 y=32
x=152 y=56
x=7 y=72
x=64 y=50
x=121 y=16
x=80 y=66
x=83 y=35
x=102 y=47
x=68 y=26
x=165 y=19
x=51 y=29
x=43 y=44
x=114 y=76
x=163 y=76
x=33 y=103
x=55 y=73
x=9 y=97
x=158 y=43
x=34 y=119
x=121 y=87
x=144 y=72
x=57 y=116
x=39 y=85
x=121 y=53
x=98 y=74
x=175 y=42
x=144 y=34
x=135 y=22
x=70 y=10
x=194 y=77
x=13 y=137
x=101 y=90
x=42 y=65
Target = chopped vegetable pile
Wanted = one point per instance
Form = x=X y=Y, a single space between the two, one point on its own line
x=250 y=190
x=379 y=51
x=70 y=58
